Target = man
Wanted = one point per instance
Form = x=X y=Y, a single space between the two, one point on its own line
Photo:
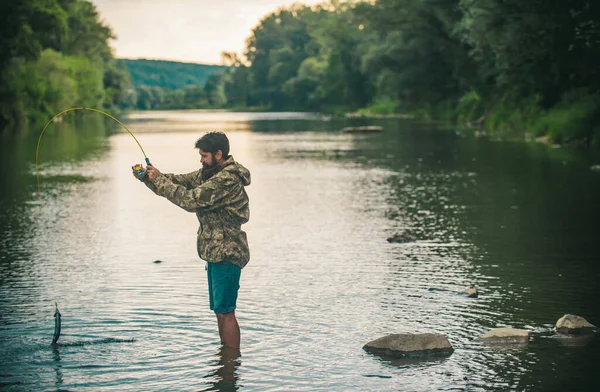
x=216 y=194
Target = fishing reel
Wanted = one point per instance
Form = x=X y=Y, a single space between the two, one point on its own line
x=139 y=170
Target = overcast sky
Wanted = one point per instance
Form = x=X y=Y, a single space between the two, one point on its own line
x=184 y=30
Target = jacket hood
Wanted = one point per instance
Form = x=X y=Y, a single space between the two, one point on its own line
x=233 y=167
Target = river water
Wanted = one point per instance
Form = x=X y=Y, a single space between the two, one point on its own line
x=518 y=221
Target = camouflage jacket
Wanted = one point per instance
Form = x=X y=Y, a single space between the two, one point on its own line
x=221 y=205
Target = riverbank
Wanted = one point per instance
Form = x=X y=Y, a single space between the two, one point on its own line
x=574 y=121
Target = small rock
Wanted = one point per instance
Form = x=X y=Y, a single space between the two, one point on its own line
x=401 y=238
x=471 y=292
x=157 y=261
x=572 y=324
x=543 y=139
x=595 y=168
x=506 y=335
x=402 y=345
x=365 y=129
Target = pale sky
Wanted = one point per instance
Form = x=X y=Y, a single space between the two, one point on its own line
x=184 y=30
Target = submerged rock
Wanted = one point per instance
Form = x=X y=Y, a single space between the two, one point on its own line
x=580 y=340
x=401 y=238
x=412 y=345
x=365 y=129
x=506 y=336
x=157 y=261
x=572 y=324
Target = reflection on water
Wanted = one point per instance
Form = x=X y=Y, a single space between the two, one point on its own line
x=224 y=375
x=517 y=221
x=57 y=364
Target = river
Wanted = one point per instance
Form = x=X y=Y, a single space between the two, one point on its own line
x=518 y=221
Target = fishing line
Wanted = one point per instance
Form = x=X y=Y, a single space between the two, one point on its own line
x=37 y=150
x=57 y=315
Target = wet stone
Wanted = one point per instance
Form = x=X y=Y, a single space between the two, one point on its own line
x=506 y=336
x=410 y=345
x=572 y=324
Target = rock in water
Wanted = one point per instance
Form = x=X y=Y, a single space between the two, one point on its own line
x=157 y=261
x=401 y=238
x=417 y=345
x=572 y=324
x=364 y=129
x=506 y=336
x=471 y=292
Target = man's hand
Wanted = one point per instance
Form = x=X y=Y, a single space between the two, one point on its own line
x=135 y=174
x=152 y=172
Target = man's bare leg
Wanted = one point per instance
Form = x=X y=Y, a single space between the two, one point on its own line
x=229 y=329
x=220 y=324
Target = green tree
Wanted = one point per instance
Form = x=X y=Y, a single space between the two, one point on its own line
x=29 y=26
x=534 y=47
x=87 y=35
x=416 y=55
x=215 y=91
x=55 y=54
x=236 y=80
x=194 y=97
x=88 y=78
x=117 y=86
x=275 y=50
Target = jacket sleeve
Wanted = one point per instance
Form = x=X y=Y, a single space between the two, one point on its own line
x=188 y=180
x=208 y=195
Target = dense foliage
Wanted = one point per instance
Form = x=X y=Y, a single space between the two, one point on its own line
x=502 y=64
x=55 y=55
x=527 y=67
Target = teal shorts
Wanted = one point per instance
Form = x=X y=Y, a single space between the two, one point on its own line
x=223 y=286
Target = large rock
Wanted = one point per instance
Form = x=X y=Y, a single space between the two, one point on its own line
x=571 y=324
x=412 y=345
x=506 y=336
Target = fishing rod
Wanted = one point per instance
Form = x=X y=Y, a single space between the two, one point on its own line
x=138 y=169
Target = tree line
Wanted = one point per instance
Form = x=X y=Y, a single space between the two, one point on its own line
x=159 y=84
x=55 y=54
x=505 y=65
x=152 y=95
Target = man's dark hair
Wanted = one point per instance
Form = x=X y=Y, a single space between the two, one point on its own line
x=213 y=142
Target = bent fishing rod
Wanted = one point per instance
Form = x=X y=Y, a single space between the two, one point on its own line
x=138 y=169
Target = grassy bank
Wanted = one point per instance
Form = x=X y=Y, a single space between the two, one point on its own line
x=575 y=120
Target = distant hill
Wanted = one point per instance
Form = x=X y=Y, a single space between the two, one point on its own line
x=169 y=74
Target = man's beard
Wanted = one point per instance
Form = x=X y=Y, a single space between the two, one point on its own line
x=208 y=170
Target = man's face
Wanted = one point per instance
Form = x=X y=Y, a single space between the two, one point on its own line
x=207 y=159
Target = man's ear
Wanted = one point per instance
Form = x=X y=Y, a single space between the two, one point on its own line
x=219 y=155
